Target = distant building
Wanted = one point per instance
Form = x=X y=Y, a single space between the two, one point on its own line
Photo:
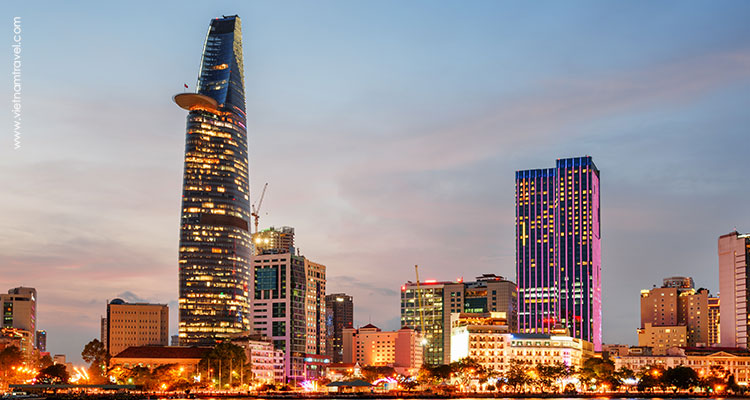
x=558 y=249
x=288 y=306
x=315 y=306
x=339 y=315
x=41 y=340
x=135 y=324
x=19 y=310
x=369 y=345
x=713 y=321
x=734 y=255
x=174 y=340
x=432 y=303
x=274 y=240
x=20 y=338
x=155 y=356
x=266 y=363
x=676 y=303
x=661 y=338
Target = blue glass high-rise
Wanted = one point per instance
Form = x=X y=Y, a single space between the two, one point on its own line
x=215 y=240
x=558 y=249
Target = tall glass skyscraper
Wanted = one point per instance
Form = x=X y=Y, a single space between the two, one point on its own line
x=215 y=244
x=558 y=249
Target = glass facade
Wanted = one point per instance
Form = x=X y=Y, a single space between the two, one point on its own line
x=215 y=244
x=558 y=242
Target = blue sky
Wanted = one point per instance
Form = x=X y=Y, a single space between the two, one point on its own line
x=389 y=133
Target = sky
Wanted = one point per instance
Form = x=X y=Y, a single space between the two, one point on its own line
x=388 y=133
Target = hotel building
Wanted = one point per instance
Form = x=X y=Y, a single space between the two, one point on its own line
x=369 y=345
x=215 y=242
x=734 y=254
x=558 y=249
x=675 y=304
x=431 y=303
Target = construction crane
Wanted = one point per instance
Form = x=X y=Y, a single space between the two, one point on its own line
x=256 y=210
x=419 y=303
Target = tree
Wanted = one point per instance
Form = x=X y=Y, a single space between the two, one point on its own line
x=600 y=372
x=10 y=359
x=680 y=377
x=650 y=377
x=56 y=374
x=517 y=375
x=97 y=356
x=44 y=361
x=226 y=359
x=371 y=373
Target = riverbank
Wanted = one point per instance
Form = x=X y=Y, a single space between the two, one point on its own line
x=388 y=395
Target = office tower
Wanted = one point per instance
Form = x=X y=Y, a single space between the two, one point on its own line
x=427 y=307
x=714 y=319
x=339 y=315
x=215 y=241
x=675 y=304
x=274 y=240
x=558 y=242
x=19 y=310
x=288 y=306
x=135 y=324
x=41 y=340
x=734 y=253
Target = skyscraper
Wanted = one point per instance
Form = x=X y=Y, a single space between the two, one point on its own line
x=339 y=315
x=215 y=245
x=288 y=304
x=734 y=254
x=558 y=242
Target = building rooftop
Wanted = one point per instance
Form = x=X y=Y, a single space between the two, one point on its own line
x=163 y=352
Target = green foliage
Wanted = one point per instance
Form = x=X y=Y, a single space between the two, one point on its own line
x=680 y=377
x=371 y=373
x=10 y=356
x=96 y=354
x=44 y=361
x=54 y=374
x=227 y=363
x=517 y=375
x=600 y=371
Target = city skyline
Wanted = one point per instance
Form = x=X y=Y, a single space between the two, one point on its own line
x=403 y=136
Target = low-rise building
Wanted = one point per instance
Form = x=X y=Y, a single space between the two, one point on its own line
x=494 y=347
x=401 y=349
x=155 y=356
x=266 y=362
x=735 y=361
x=661 y=338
